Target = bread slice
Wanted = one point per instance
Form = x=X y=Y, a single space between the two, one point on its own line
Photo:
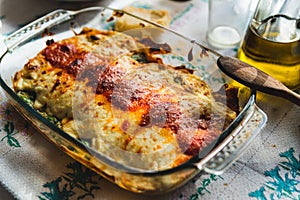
x=127 y=22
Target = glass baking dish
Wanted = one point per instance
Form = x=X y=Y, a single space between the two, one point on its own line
x=25 y=43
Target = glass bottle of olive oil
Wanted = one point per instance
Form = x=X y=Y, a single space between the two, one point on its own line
x=273 y=45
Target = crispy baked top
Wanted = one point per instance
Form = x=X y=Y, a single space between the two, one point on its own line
x=109 y=90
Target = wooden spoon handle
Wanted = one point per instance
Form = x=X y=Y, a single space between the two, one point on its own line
x=255 y=78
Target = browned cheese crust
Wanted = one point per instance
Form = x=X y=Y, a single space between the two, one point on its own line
x=147 y=115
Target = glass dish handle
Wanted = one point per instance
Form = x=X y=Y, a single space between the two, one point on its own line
x=234 y=145
x=35 y=27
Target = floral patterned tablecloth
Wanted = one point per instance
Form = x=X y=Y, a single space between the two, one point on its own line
x=32 y=168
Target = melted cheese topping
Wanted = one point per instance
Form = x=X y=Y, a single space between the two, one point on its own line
x=145 y=115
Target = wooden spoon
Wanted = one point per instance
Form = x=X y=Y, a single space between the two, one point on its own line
x=255 y=78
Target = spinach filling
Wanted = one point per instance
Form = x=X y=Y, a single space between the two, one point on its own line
x=140 y=57
x=29 y=97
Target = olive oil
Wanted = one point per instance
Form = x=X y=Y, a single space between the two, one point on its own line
x=273 y=46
